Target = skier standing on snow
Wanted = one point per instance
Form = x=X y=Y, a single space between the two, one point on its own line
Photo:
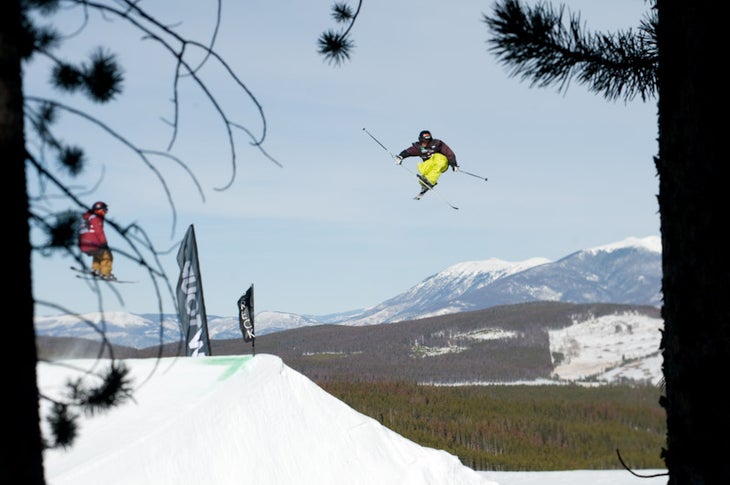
x=92 y=241
x=436 y=158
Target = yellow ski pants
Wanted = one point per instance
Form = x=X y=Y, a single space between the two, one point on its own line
x=102 y=261
x=433 y=167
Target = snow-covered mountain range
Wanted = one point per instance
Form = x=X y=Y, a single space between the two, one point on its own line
x=627 y=272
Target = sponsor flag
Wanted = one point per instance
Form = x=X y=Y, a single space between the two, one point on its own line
x=190 y=303
x=245 y=316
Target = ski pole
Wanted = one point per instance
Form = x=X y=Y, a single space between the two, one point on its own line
x=376 y=141
x=472 y=174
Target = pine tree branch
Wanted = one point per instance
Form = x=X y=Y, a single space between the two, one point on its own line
x=538 y=46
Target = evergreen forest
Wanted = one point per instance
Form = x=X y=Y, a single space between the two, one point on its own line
x=520 y=427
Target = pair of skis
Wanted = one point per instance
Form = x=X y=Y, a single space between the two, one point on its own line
x=428 y=187
x=85 y=274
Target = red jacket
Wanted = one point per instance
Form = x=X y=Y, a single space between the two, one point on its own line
x=91 y=234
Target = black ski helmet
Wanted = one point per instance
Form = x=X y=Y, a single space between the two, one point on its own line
x=425 y=135
x=99 y=206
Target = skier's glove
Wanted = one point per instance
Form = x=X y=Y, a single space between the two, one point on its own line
x=398 y=159
x=455 y=168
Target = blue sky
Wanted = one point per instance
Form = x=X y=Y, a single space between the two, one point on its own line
x=335 y=228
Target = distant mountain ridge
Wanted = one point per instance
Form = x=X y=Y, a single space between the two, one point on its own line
x=528 y=343
x=625 y=272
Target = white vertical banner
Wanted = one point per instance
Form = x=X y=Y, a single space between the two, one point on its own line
x=190 y=302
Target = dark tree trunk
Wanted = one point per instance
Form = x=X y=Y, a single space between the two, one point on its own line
x=694 y=210
x=22 y=460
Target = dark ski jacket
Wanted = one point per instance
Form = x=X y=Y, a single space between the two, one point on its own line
x=435 y=146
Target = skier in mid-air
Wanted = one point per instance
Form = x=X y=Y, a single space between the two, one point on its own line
x=92 y=241
x=436 y=158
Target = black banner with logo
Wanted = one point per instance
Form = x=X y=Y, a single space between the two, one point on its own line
x=245 y=316
x=190 y=303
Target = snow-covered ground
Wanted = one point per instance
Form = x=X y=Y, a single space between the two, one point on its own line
x=578 y=477
x=253 y=420
x=226 y=420
x=609 y=348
